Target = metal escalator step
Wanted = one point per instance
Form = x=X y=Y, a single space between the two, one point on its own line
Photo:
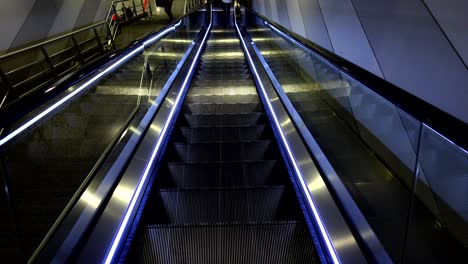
x=223 y=174
x=222 y=134
x=226 y=90
x=221 y=205
x=277 y=242
x=212 y=120
x=209 y=98
x=241 y=74
x=228 y=108
x=225 y=151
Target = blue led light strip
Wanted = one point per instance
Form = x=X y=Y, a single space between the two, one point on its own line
x=56 y=105
x=136 y=195
x=311 y=203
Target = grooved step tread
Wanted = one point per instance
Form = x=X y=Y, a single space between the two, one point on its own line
x=267 y=242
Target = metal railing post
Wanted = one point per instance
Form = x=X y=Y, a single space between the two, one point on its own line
x=150 y=8
x=111 y=36
x=142 y=7
x=49 y=61
x=5 y=80
x=135 y=13
x=80 y=55
x=101 y=47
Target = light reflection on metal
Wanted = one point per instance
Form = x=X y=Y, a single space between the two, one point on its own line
x=164 y=54
x=76 y=91
x=344 y=242
x=286 y=122
x=134 y=130
x=224 y=55
x=177 y=40
x=50 y=89
x=280 y=53
x=156 y=128
x=91 y=199
x=170 y=101
x=223 y=41
x=323 y=232
x=264 y=39
x=124 y=194
x=317 y=185
x=123 y=134
x=123 y=226
x=219 y=30
x=258 y=29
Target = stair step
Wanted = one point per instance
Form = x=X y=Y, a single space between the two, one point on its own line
x=213 y=120
x=221 y=134
x=210 y=98
x=276 y=242
x=227 y=108
x=232 y=151
x=221 y=205
x=223 y=174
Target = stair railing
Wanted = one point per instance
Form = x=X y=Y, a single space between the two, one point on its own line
x=27 y=69
x=116 y=16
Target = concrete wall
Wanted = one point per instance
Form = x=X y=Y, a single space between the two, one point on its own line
x=421 y=46
x=26 y=21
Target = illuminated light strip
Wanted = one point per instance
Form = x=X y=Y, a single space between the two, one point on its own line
x=158 y=36
x=141 y=183
x=317 y=217
x=84 y=86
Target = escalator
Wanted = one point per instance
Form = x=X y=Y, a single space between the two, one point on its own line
x=223 y=193
x=228 y=142
x=46 y=166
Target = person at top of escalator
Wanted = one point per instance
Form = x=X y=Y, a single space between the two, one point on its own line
x=226 y=4
x=167 y=4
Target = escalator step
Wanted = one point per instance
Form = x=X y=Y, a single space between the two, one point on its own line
x=220 y=205
x=283 y=242
x=225 y=151
x=213 y=120
x=222 y=134
x=230 y=108
x=211 y=98
x=223 y=174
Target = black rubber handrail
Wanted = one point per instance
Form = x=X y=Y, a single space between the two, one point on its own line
x=447 y=125
x=25 y=104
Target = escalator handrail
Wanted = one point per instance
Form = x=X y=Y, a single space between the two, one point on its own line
x=30 y=101
x=445 y=124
